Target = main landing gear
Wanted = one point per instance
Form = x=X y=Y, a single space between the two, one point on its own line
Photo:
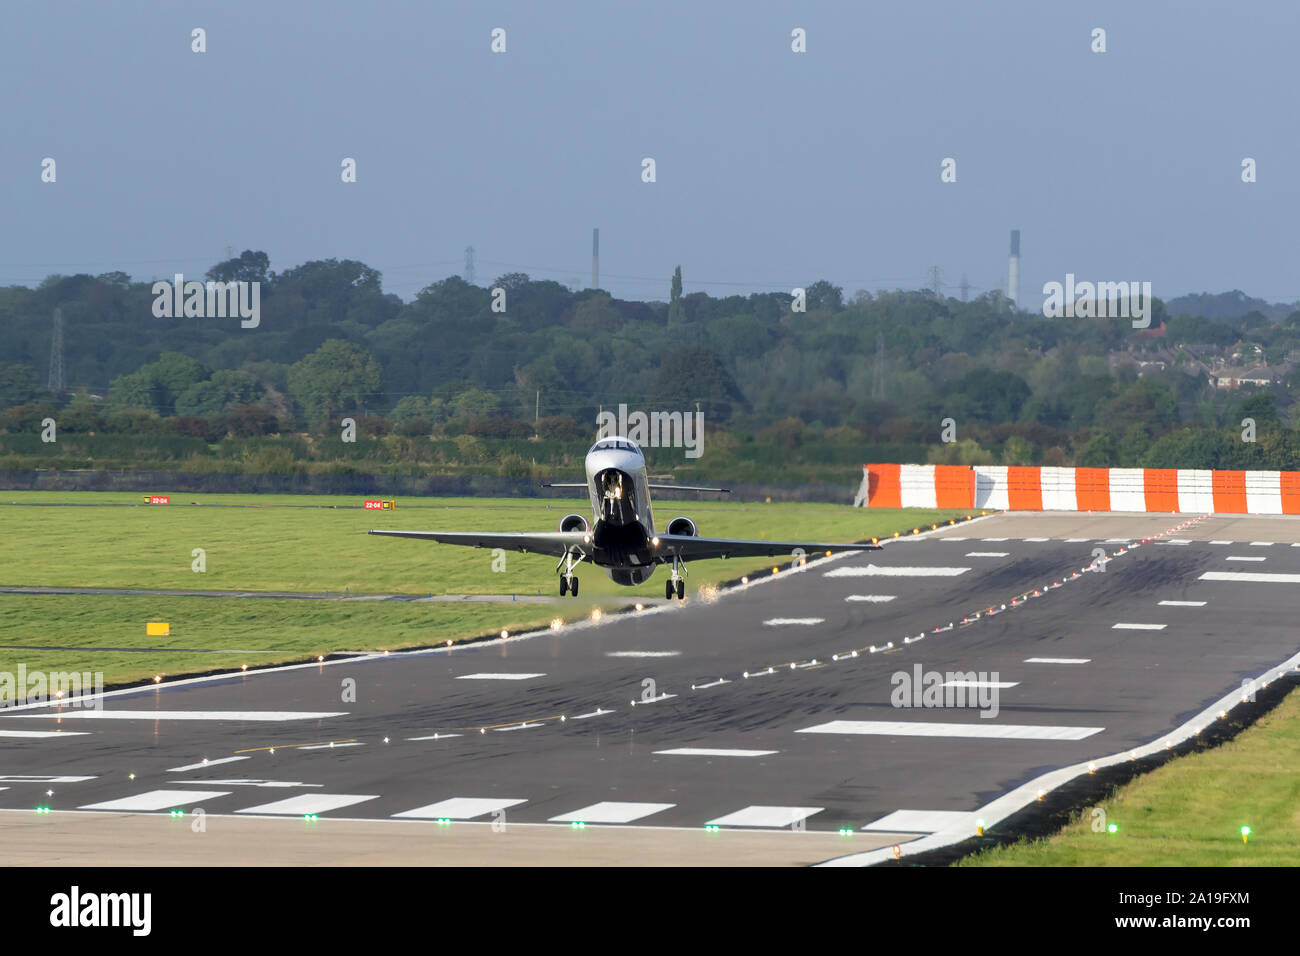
x=675 y=584
x=569 y=580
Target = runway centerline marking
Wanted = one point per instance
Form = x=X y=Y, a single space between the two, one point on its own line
x=1058 y=660
x=461 y=808
x=987 y=554
x=332 y=745
x=1182 y=604
x=241 y=715
x=898 y=728
x=714 y=752
x=1262 y=577
x=871 y=570
x=612 y=811
x=1000 y=684
x=1242 y=557
x=41 y=778
x=764 y=816
x=1137 y=627
x=157 y=800
x=492 y=676
x=643 y=653
x=282 y=784
x=41 y=734
x=309 y=803
x=780 y=621
x=872 y=598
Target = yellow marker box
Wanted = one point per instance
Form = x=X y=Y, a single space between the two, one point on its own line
x=157 y=629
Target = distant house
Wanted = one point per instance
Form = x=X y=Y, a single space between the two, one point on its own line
x=1232 y=377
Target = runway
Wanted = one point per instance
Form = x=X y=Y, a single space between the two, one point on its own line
x=703 y=729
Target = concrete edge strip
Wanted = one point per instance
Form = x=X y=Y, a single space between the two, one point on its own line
x=605 y=619
x=1009 y=803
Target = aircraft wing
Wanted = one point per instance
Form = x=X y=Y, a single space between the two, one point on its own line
x=554 y=543
x=691 y=548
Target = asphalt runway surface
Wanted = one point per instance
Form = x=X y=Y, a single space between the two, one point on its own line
x=646 y=725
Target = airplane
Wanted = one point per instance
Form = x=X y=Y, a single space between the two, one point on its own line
x=620 y=538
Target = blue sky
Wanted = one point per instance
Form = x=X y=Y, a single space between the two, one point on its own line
x=773 y=168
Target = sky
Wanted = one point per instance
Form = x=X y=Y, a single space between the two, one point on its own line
x=773 y=168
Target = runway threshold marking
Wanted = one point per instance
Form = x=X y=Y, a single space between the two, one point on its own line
x=920 y=821
x=492 y=676
x=203 y=763
x=1260 y=577
x=764 y=816
x=714 y=752
x=39 y=734
x=871 y=570
x=896 y=728
x=460 y=808
x=240 y=715
x=157 y=800
x=1242 y=557
x=41 y=778
x=306 y=803
x=612 y=811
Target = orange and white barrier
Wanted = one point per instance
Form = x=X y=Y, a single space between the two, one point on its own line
x=1032 y=488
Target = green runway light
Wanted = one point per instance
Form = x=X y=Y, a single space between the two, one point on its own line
x=577 y=825
x=711 y=828
x=444 y=822
x=309 y=816
x=846 y=831
x=176 y=813
x=42 y=809
x=1112 y=828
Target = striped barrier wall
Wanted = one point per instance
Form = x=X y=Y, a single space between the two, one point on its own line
x=1033 y=488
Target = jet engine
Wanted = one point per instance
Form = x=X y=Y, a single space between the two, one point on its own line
x=684 y=527
x=573 y=522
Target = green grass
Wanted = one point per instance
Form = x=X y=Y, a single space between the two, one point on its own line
x=315 y=544
x=1190 y=811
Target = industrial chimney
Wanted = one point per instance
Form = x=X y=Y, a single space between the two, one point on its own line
x=595 y=258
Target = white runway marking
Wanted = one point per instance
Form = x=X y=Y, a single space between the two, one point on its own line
x=595 y=713
x=158 y=800
x=310 y=803
x=284 y=784
x=895 y=728
x=242 y=715
x=954 y=539
x=987 y=554
x=461 y=808
x=871 y=571
x=1238 y=557
x=43 y=733
x=1182 y=604
x=330 y=746
x=1001 y=684
x=995 y=539
x=612 y=811
x=779 y=621
x=873 y=598
x=1116 y=540
x=1261 y=544
x=498 y=676
x=1176 y=542
x=714 y=752
x=204 y=763
x=643 y=653
x=760 y=816
x=920 y=821
x=1223 y=542
x=1137 y=627
x=41 y=778
x=1036 y=539
x=1260 y=577
x=1076 y=540
x=1058 y=660
x=434 y=737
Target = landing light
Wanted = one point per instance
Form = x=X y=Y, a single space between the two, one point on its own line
x=504 y=633
x=655 y=541
x=157 y=678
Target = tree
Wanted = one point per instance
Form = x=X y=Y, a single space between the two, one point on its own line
x=822 y=295
x=676 y=311
x=338 y=377
x=248 y=267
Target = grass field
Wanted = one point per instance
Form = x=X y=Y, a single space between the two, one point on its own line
x=316 y=544
x=1190 y=811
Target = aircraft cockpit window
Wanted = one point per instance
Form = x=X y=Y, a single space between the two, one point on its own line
x=619 y=444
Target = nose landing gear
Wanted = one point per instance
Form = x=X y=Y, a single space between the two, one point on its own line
x=569 y=580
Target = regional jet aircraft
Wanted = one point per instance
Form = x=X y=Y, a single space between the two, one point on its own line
x=620 y=538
